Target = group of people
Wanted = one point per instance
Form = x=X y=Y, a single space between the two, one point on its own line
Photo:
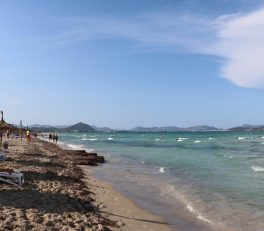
x=53 y=138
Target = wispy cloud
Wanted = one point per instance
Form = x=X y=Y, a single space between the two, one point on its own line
x=154 y=30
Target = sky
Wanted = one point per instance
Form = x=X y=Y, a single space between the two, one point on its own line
x=127 y=63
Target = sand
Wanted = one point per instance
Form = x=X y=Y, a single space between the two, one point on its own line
x=130 y=217
x=57 y=195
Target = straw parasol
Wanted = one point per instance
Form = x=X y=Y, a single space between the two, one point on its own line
x=5 y=126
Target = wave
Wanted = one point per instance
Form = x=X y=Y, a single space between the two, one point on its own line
x=170 y=190
x=78 y=147
x=180 y=139
x=197 y=141
x=210 y=138
x=75 y=146
x=90 y=139
x=162 y=169
x=257 y=169
x=161 y=139
x=110 y=138
x=241 y=138
x=244 y=138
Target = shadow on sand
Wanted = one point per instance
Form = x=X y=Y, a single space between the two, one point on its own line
x=43 y=201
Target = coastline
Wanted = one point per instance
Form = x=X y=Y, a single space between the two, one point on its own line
x=59 y=194
x=118 y=207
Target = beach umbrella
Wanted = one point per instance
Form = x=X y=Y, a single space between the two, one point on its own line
x=4 y=126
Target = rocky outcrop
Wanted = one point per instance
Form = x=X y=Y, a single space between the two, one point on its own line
x=81 y=157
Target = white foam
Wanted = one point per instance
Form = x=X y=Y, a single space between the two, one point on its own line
x=200 y=217
x=190 y=208
x=90 y=139
x=210 y=138
x=197 y=141
x=75 y=146
x=257 y=169
x=142 y=162
x=110 y=138
x=242 y=138
x=161 y=169
x=180 y=139
x=79 y=147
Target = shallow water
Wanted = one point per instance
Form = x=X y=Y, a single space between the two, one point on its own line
x=214 y=178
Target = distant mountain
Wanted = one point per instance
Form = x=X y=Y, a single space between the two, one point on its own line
x=102 y=129
x=155 y=129
x=80 y=127
x=202 y=128
x=174 y=129
x=247 y=127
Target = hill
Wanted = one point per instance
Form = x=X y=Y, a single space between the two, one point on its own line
x=80 y=127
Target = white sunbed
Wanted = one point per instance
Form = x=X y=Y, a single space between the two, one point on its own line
x=15 y=178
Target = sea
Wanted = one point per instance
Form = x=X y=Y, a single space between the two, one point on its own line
x=194 y=180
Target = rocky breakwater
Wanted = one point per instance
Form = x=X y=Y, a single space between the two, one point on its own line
x=81 y=157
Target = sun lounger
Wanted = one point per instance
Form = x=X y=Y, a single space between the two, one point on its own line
x=11 y=176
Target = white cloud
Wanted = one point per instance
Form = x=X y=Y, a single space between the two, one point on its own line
x=241 y=41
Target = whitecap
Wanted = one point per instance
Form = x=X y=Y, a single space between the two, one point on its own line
x=200 y=217
x=180 y=139
x=242 y=138
x=110 y=138
x=161 y=169
x=75 y=146
x=90 y=139
x=257 y=169
x=197 y=141
x=210 y=138
x=190 y=208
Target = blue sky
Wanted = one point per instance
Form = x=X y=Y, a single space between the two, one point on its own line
x=123 y=63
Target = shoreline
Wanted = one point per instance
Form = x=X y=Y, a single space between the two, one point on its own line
x=59 y=194
x=119 y=207
x=182 y=219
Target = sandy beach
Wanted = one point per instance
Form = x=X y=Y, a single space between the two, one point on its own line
x=59 y=195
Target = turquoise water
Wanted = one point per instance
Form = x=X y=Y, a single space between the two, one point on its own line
x=217 y=176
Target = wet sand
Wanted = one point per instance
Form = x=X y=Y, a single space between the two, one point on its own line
x=58 y=195
x=130 y=217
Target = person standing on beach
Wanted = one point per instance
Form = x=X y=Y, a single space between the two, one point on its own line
x=28 y=136
x=7 y=134
x=50 y=137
